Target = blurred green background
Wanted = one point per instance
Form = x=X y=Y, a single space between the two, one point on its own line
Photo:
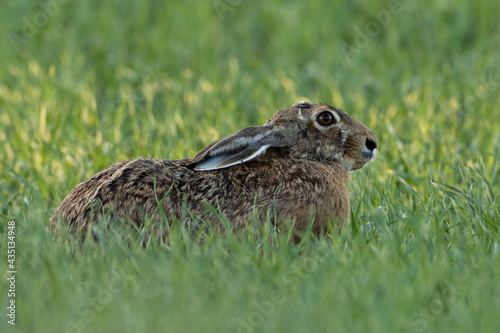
x=84 y=84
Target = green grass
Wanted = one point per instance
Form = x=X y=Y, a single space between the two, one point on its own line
x=84 y=84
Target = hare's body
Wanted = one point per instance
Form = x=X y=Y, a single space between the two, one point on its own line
x=129 y=189
x=301 y=176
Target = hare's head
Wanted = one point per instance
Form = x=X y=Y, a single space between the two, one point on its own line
x=315 y=132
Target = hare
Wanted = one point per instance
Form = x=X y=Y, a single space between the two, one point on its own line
x=294 y=167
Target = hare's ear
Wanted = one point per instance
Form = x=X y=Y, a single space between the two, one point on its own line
x=238 y=147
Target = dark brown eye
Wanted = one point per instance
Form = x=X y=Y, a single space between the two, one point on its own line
x=326 y=118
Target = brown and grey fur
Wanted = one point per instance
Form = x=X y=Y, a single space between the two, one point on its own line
x=291 y=167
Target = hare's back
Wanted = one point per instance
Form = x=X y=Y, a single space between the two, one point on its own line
x=136 y=188
x=129 y=188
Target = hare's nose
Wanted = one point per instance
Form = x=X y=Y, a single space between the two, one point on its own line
x=371 y=142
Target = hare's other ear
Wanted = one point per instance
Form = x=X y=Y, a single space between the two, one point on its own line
x=239 y=147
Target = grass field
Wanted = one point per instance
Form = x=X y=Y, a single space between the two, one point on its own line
x=85 y=83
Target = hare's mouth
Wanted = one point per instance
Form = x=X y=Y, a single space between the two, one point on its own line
x=369 y=154
x=365 y=156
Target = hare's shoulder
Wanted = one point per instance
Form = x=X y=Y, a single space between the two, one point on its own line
x=271 y=173
x=290 y=170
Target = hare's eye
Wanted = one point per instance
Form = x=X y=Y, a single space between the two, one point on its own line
x=326 y=118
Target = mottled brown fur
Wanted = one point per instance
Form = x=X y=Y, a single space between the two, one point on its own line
x=303 y=174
